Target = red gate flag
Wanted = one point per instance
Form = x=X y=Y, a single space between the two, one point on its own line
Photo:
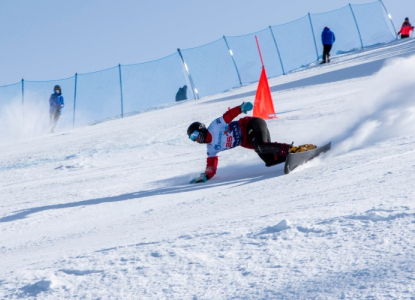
x=263 y=106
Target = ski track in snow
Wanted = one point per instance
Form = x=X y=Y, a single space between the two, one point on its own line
x=106 y=211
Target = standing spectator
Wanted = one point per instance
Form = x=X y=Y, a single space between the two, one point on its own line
x=406 y=29
x=56 y=104
x=327 y=38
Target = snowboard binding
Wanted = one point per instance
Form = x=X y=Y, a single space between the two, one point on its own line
x=302 y=148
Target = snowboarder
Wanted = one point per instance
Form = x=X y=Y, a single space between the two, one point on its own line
x=327 y=38
x=56 y=103
x=248 y=132
x=406 y=29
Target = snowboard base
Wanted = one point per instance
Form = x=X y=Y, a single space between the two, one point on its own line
x=297 y=159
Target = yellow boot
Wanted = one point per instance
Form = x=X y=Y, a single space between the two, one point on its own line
x=302 y=148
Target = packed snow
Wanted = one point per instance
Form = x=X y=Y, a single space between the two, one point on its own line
x=107 y=211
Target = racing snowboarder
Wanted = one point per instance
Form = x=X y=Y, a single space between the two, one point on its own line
x=249 y=132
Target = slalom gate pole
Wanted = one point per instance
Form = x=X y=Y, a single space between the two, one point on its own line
x=259 y=50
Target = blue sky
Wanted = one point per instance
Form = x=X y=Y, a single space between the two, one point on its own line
x=51 y=39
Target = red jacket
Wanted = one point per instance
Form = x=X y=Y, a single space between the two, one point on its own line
x=406 y=29
x=212 y=162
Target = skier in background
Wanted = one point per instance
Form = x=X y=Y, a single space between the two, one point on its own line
x=327 y=38
x=56 y=104
x=406 y=29
x=248 y=132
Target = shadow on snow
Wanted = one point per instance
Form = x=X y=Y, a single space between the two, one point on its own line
x=236 y=179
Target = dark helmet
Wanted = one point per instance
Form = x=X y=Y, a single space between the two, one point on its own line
x=57 y=87
x=199 y=127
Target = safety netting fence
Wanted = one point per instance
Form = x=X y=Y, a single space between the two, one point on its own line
x=226 y=63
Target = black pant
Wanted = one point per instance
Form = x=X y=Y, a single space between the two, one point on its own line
x=404 y=36
x=326 y=52
x=258 y=133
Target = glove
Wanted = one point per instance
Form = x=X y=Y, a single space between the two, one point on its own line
x=245 y=107
x=201 y=178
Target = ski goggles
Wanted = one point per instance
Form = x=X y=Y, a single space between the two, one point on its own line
x=194 y=135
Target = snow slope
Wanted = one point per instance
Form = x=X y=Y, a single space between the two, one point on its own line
x=106 y=211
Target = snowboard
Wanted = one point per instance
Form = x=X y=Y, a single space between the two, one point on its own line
x=297 y=159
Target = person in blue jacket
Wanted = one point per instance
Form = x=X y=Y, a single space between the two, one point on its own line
x=327 y=38
x=56 y=103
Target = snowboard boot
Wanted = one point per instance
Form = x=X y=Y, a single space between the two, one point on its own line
x=275 y=160
x=279 y=149
x=302 y=148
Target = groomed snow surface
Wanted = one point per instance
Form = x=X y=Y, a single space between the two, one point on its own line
x=106 y=211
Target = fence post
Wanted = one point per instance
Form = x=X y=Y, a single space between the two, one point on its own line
x=194 y=90
x=390 y=18
x=314 y=36
x=23 y=97
x=122 y=102
x=357 y=26
x=233 y=59
x=22 y=92
x=74 y=101
x=276 y=45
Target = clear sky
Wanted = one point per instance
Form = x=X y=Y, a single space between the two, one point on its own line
x=53 y=39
